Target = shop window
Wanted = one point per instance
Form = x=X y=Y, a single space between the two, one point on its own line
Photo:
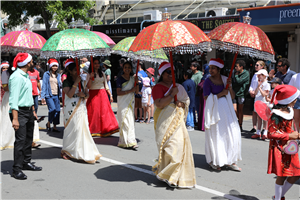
x=201 y=15
x=109 y=21
x=140 y=19
x=132 y=20
x=124 y=20
x=193 y=15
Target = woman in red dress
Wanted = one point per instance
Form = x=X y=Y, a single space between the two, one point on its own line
x=285 y=166
x=102 y=120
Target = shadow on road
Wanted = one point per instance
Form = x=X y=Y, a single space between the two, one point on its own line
x=235 y=193
x=119 y=173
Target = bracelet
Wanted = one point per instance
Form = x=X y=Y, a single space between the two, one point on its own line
x=74 y=86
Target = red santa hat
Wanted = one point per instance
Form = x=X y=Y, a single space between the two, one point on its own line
x=163 y=66
x=52 y=62
x=216 y=62
x=4 y=64
x=285 y=94
x=69 y=61
x=21 y=60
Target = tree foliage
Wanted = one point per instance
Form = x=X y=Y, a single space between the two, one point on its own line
x=60 y=11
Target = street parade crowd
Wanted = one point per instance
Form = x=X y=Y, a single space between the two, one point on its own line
x=86 y=102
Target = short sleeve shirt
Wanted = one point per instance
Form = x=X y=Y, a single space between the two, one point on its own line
x=264 y=86
x=34 y=78
x=145 y=94
x=159 y=91
x=107 y=72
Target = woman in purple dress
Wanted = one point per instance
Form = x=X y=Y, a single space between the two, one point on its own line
x=222 y=131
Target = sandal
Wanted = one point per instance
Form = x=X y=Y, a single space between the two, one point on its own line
x=234 y=167
x=214 y=167
x=135 y=147
x=65 y=156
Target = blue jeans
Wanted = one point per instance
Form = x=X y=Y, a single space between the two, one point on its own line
x=190 y=118
x=196 y=110
x=53 y=104
x=36 y=103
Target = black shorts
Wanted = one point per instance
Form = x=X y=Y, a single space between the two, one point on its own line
x=238 y=100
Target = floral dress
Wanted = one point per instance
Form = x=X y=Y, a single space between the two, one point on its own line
x=279 y=163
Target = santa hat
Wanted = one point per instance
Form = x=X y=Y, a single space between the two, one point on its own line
x=4 y=64
x=285 y=94
x=216 y=62
x=52 y=62
x=69 y=61
x=21 y=60
x=163 y=66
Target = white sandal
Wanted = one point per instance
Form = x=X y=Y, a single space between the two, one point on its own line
x=214 y=167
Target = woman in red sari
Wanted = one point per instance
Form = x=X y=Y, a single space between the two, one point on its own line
x=285 y=166
x=102 y=120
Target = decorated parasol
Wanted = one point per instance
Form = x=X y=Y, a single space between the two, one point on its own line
x=122 y=47
x=22 y=41
x=173 y=36
x=105 y=38
x=242 y=38
x=74 y=43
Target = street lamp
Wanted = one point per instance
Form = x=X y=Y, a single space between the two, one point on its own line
x=27 y=25
x=73 y=23
x=87 y=26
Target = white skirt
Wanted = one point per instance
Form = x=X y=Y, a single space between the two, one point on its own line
x=223 y=139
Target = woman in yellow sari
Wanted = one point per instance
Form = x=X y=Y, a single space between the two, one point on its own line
x=175 y=164
x=125 y=114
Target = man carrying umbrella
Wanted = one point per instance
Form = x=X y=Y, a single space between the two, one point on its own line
x=22 y=114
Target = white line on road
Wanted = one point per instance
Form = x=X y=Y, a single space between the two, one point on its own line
x=205 y=189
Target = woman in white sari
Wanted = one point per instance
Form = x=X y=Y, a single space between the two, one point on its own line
x=77 y=141
x=175 y=164
x=222 y=130
x=7 y=133
x=125 y=114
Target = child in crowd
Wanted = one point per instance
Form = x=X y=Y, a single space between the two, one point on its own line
x=146 y=99
x=261 y=92
x=285 y=166
x=274 y=82
x=189 y=86
x=150 y=72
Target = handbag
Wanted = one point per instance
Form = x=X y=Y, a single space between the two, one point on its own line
x=291 y=147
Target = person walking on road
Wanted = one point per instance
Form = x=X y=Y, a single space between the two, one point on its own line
x=102 y=120
x=125 y=113
x=7 y=133
x=51 y=92
x=77 y=141
x=22 y=114
x=285 y=166
x=222 y=131
x=175 y=164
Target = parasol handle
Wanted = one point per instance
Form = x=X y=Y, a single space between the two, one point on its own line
x=173 y=73
x=232 y=66
x=92 y=66
x=137 y=71
x=78 y=73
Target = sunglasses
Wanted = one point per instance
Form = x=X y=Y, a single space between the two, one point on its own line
x=279 y=65
x=169 y=71
x=257 y=65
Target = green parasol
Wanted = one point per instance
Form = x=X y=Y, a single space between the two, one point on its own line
x=74 y=43
x=123 y=46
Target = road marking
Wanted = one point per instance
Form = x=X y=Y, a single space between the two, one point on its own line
x=205 y=189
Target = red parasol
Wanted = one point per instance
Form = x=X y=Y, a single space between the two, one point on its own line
x=244 y=39
x=173 y=36
x=262 y=110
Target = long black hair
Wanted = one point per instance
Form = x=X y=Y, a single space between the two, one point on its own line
x=69 y=77
x=129 y=63
x=281 y=106
x=99 y=69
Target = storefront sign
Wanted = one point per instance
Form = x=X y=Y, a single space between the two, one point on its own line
x=133 y=29
x=209 y=23
x=274 y=15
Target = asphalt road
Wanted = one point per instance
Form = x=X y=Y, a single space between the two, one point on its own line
x=126 y=174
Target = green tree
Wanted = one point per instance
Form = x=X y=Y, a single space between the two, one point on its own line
x=61 y=11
